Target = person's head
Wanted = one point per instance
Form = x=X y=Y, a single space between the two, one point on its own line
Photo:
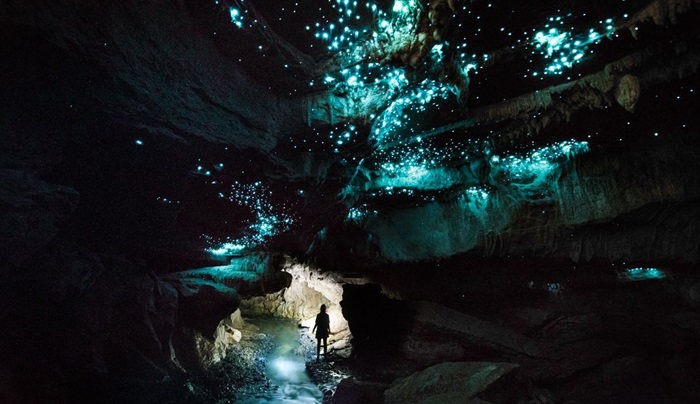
x=323 y=308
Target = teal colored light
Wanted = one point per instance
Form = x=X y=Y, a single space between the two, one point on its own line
x=355 y=31
x=227 y=249
x=341 y=136
x=270 y=220
x=562 y=48
x=468 y=67
x=236 y=16
x=404 y=6
x=477 y=201
x=437 y=52
x=551 y=41
x=478 y=194
x=359 y=213
x=640 y=274
x=536 y=171
x=412 y=101
x=200 y=170
x=407 y=175
x=238 y=268
x=420 y=166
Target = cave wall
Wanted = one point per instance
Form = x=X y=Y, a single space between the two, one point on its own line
x=155 y=67
x=108 y=110
x=617 y=205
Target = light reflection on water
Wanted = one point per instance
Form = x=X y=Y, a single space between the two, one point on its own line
x=289 y=382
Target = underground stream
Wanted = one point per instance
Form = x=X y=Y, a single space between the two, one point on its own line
x=285 y=366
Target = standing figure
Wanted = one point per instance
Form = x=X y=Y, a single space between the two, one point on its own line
x=322 y=328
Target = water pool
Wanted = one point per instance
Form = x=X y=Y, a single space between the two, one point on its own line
x=285 y=366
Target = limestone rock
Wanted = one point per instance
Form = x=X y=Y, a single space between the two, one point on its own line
x=31 y=212
x=691 y=294
x=227 y=334
x=689 y=322
x=575 y=357
x=354 y=391
x=568 y=329
x=302 y=299
x=624 y=380
x=203 y=303
x=431 y=352
x=431 y=318
x=448 y=382
x=627 y=92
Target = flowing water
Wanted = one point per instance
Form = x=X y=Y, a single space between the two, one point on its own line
x=286 y=366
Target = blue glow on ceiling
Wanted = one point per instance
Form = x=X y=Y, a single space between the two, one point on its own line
x=236 y=17
x=403 y=114
x=270 y=219
x=640 y=274
x=562 y=47
x=364 y=39
x=534 y=172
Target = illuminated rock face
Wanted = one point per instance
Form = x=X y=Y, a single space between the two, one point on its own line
x=301 y=301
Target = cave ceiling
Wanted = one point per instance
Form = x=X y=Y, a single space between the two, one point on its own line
x=356 y=132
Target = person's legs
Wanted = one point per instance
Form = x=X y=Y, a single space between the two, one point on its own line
x=325 y=346
x=318 y=347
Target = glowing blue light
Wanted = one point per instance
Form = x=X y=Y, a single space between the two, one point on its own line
x=552 y=41
x=640 y=274
x=565 y=49
x=236 y=16
x=227 y=249
x=394 y=119
x=532 y=174
x=467 y=68
x=269 y=221
x=358 y=214
x=139 y=142
x=399 y=6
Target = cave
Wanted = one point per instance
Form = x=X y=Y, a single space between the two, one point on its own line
x=497 y=202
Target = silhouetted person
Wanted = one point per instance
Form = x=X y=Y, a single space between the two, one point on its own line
x=322 y=328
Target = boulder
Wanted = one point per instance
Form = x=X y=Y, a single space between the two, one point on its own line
x=351 y=390
x=203 y=303
x=566 y=329
x=448 y=382
x=624 y=380
x=691 y=293
x=431 y=319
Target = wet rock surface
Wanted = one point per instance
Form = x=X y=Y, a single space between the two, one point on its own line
x=330 y=373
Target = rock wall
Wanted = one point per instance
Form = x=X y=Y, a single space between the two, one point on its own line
x=608 y=187
x=301 y=300
x=156 y=69
x=593 y=330
x=32 y=212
